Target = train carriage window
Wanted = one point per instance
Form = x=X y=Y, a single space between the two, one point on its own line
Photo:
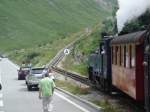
x=133 y=56
x=130 y=55
x=116 y=55
x=117 y=52
x=127 y=56
x=113 y=55
x=112 y=52
x=122 y=55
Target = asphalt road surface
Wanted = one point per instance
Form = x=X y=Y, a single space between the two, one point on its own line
x=14 y=96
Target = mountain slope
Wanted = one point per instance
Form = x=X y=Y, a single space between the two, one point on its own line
x=27 y=24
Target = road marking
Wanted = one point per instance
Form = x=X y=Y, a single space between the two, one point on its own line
x=1 y=103
x=1 y=95
x=76 y=105
x=0 y=75
x=14 y=65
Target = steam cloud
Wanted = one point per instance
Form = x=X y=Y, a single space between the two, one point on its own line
x=129 y=10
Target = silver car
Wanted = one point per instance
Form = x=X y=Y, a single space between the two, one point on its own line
x=32 y=79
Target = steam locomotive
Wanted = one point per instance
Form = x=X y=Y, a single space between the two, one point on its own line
x=123 y=62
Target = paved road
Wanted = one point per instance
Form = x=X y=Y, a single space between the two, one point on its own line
x=14 y=96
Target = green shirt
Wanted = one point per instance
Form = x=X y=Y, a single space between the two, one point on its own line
x=46 y=86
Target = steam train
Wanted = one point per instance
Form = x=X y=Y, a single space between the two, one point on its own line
x=123 y=62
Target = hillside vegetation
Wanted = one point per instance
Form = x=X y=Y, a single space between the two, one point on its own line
x=37 y=29
x=77 y=60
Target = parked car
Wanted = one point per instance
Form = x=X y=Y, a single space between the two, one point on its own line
x=1 y=58
x=32 y=79
x=22 y=72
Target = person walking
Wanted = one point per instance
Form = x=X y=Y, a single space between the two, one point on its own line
x=51 y=74
x=46 y=90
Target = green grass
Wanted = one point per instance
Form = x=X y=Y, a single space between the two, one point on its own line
x=85 y=46
x=69 y=64
x=90 y=43
x=44 y=52
x=45 y=26
x=107 y=106
x=26 y=23
x=74 y=89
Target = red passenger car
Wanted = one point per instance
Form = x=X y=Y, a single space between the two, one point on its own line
x=127 y=64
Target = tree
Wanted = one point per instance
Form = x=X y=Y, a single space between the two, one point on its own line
x=140 y=23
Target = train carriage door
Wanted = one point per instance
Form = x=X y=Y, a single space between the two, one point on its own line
x=147 y=72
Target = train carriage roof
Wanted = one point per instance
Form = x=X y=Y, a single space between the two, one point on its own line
x=136 y=38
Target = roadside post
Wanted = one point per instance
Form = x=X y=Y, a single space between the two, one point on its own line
x=66 y=52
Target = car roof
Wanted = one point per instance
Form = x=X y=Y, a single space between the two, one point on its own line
x=25 y=67
x=38 y=68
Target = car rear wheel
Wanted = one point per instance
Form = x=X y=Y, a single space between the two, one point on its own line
x=29 y=87
x=19 y=78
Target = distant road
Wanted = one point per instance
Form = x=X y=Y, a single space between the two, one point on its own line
x=14 y=96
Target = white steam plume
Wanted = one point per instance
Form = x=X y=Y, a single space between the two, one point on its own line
x=129 y=10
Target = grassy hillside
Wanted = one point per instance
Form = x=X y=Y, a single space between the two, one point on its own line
x=37 y=25
x=77 y=60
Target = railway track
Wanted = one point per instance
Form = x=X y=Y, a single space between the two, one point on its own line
x=60 y=55
x=72 y=75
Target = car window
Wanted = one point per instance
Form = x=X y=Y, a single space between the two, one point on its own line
x=37 y=75
x=25 y=68
x=38 y=71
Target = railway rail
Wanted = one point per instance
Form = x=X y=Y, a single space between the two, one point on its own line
x=60 y=55
x=76 y=77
